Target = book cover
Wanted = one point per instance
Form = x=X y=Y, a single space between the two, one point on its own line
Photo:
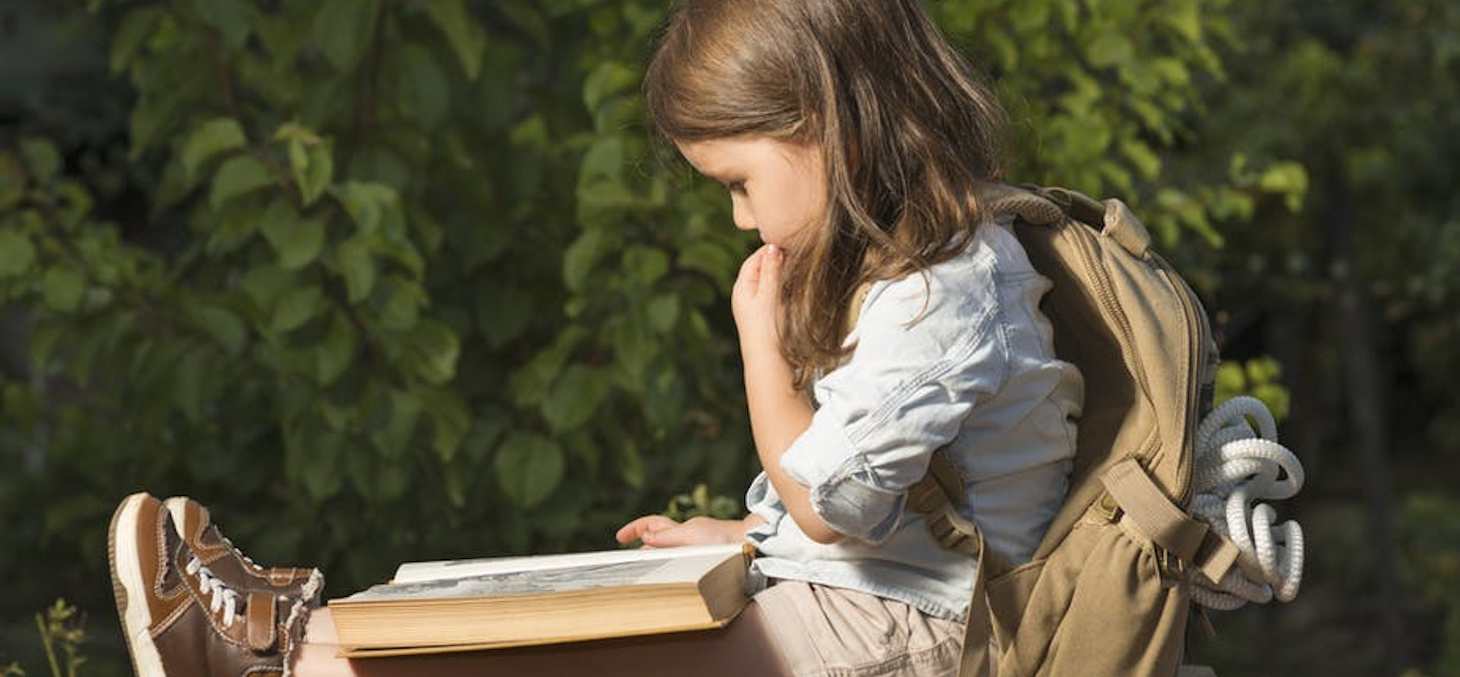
x=516 y=601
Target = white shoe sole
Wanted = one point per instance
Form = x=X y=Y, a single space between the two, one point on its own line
x=130 y=588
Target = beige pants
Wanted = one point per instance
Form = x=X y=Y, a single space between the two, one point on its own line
x=823 y=631
x=792 y=628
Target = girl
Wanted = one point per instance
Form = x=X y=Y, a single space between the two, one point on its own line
x=883 y=318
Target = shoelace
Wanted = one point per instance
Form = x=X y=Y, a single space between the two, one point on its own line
x=219 y=594
x=1237 y=466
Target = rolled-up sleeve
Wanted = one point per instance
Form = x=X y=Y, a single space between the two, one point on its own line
x=905 y=392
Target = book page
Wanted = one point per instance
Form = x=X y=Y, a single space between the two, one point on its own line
x=413 y=572
x=537 y=580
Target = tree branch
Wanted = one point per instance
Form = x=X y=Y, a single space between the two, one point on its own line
x=367 y=92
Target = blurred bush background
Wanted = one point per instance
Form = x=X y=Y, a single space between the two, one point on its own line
x=382 y=280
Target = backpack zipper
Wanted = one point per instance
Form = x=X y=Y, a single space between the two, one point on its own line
x=1096 y=273
x=1198 y=355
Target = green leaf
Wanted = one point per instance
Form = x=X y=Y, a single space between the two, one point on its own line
x=1289 y=179
x=631 y=465
x=394 y=246
x=635 y=348
x=1185 y=18
x=392 y=431
x=234 y=229
x=710 y=258
x=16 y=253
x=426 y=95
x=574 y=397
x=230 y=17
x=463 y=31
x=152 y=119
x=63 y=288
x=503 y=314
x=343 y=29
x=531 y=133
x=664 y=312
x=399 y=302
x=265 y=283
x=1264 y=370
x=604 y=160
x=1231 y=381
x=529 y=467
x=221 y=324
x=435 y=349
x=530 y=382
x=366 y=203
x=607 y=79
x=1110 y=48
x=298 y=158
x=581 y=257
x=296 y=306
x=450 y=420
x=354 y=263
x=239 y=175
x=296 y=241
x=335 y=354
x=1145 y=160
x=645 y=264
x=313 y=167
x=1030 y=16
x=134 y=30
x=298 y=244
x=41 y=158
x=528 y=18
x=1007 y=49
x=314 y=461
x=1173 y=71
x=190 y=376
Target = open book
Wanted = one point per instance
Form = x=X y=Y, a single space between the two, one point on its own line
x=515 y=601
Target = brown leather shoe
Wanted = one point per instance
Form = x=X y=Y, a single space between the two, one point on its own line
x=215 y=551
x=179 y=618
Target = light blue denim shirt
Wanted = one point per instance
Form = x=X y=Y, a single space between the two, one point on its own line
x=962 y=357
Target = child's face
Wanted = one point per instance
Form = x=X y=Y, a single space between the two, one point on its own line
x=776 y=187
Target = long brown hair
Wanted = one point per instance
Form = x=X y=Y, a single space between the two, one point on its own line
x=906 y=131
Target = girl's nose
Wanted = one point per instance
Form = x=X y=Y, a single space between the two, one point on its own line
x=741 y=214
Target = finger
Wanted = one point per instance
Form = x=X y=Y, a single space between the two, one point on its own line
x=669 y=538
x=770 y=268
x=635 y=530
x=749 y=276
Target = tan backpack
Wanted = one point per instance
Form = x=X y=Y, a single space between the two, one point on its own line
x=1108 y=590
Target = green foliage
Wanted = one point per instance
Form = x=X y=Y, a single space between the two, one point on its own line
x=1330 y=87
x=699 y=503
x=1255 y=378
x=1431 y=545
x=411 y=279
x=370 y=212
x=1100 y=92
x=61 y=629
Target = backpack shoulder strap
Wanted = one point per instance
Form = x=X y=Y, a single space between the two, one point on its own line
x=935 y=496
x=1148 y=511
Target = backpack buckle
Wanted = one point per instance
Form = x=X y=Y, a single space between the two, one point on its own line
x=1108 y=508
x=1173 y=568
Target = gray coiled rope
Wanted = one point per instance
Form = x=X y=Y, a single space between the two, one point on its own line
x=1237 y=466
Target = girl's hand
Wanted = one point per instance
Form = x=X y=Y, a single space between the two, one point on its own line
x=756 y=300
x=658 y=531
